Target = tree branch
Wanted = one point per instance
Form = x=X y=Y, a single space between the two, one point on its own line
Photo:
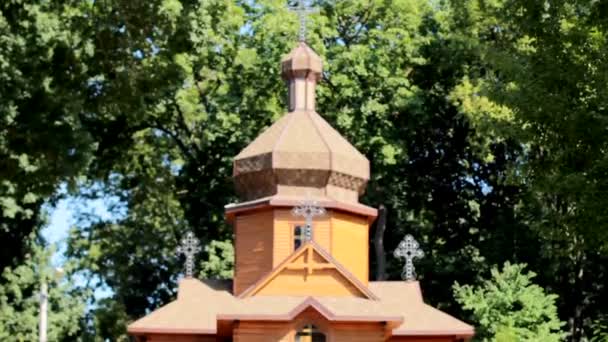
x=182 y=146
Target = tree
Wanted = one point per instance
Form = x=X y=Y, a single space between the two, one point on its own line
x=19 y=300
x=546 y=65
x=510 y=307
x=179 y=88
x=42 y=142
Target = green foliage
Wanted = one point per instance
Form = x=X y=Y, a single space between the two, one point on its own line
x=546 y=64
x=220 y=262
x=484 y=122
x=600 y=329
x=509 y=307
x=110 y=322
x=19 y=300
x=42 y=141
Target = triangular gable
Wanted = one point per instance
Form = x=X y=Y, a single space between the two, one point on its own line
x=310 y=271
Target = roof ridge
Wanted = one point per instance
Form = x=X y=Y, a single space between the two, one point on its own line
x=314 y=124
x=283 y=132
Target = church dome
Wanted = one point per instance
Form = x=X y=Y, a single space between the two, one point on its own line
x=301 y=154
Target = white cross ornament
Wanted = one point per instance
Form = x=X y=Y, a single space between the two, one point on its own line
x=408 y=249
x=308 y=209
x=303 y=10
x=189 y=247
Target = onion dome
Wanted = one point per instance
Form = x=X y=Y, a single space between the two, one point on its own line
x=301 y=154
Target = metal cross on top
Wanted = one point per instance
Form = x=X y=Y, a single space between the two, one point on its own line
x=302 y=9
x=189 y=247
x=308 y=209
x=408 y=249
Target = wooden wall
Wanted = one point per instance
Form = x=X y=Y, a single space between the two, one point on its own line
x=254 y=248
x=424 y=339
x=264 y=239
x=283 y=233
x=320 y=283
x=350 y=244
x=285 y=331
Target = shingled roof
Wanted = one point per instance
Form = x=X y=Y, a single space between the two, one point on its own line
x=301 y=154
x=200 y=304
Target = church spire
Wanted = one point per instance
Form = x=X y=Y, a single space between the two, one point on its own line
x=302 y=70
x=302 y=67
x=301 y=154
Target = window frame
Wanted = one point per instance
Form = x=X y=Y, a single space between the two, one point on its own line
x=293 y=228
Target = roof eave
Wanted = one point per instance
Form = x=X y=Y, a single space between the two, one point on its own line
x=231 y=210
x=138 y=331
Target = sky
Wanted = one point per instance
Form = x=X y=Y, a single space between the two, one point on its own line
x=62 y=217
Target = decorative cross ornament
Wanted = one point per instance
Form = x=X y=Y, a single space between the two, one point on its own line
x=189 y=247
x=308 y=209
x=302 y=9
x=408 y=249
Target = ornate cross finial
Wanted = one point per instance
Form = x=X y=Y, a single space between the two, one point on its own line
x=408 y=249
x=190 y=245
x=302 y=9
x=308 y=209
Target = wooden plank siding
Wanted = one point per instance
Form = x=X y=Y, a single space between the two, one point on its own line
x=264 y=239
x=265 y=331
x=262 y=332
x=350 y=243
x=320 y=283
x=425 y=339
x=283 y=236
x=254 y=248
x=284 y=225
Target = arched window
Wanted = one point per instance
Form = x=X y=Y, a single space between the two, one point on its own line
x=310 y=333
x=298 y=236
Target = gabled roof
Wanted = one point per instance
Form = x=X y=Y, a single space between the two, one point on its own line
x=200 y=304
x=309 y=247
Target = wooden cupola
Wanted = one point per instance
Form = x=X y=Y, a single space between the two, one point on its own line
x=300 y=157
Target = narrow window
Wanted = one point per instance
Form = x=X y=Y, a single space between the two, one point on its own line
x=310 y=333
x=298 y=237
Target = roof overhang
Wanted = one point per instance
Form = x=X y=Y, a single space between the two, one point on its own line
x=169 y=331
x=306 y=304
x=283 y=201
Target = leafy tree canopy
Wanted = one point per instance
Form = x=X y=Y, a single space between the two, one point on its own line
x=484 y=122
x=510 y=307
x=20 y=298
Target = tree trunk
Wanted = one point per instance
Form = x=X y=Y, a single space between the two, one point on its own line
x=379 y=244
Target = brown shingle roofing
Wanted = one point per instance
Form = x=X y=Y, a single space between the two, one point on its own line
x=301 y=153
x=199 y=304
x=303 y=140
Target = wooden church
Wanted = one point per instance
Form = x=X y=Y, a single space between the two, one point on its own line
x=301 y=245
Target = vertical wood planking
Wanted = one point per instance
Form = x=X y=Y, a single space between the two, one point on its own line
x=350 y=243
x=254 y=246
